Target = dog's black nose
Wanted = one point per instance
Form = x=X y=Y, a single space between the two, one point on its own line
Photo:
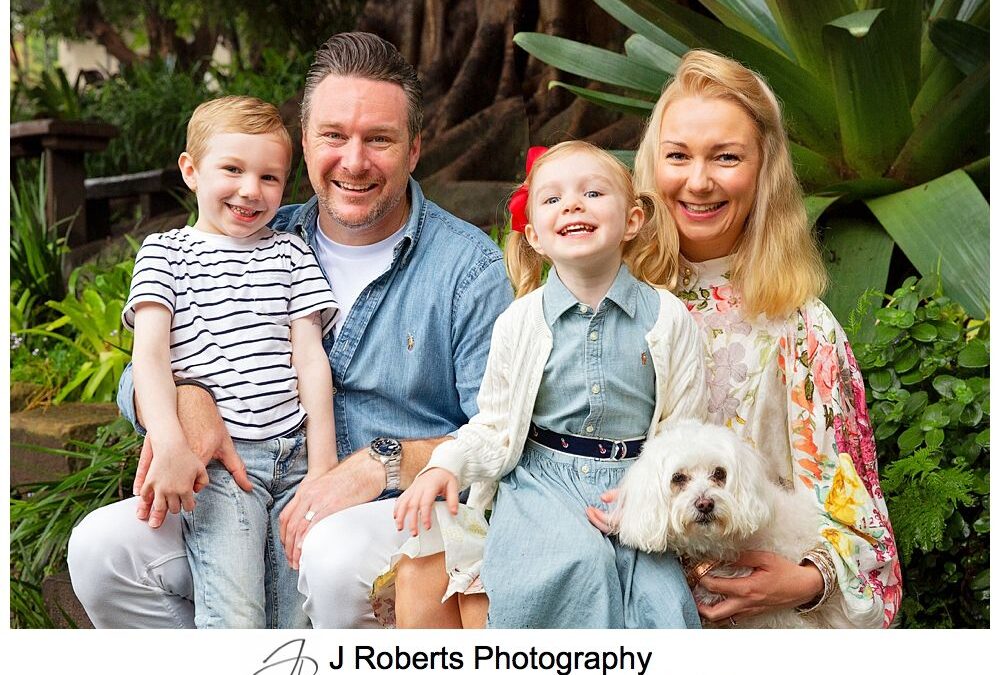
x=704 y=505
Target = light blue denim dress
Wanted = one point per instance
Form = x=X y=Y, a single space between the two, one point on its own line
x=545 y=565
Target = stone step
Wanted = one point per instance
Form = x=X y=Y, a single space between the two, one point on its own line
x=61 y=603
x=52 y=427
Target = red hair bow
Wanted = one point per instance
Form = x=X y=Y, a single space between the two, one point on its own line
x=519 y=200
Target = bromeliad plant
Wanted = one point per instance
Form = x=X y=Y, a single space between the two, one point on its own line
x=886 y=103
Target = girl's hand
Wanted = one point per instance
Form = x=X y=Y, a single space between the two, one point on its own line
x=600 y=518
x=415 y=504
x=775 y=583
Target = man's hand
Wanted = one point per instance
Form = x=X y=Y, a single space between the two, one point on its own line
x=207 y=438
x=356 y=480
x=415 y=504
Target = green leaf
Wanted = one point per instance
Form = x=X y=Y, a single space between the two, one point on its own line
x=858 y=254
x=808 y=105
x=802 y=23
x=974 y=355
x=905 y=17
x=965 y=45
x=642 y=50
x=924 y=332
x=587 y=61
x=941 y=80
x=752 y=18
x=934 y=417
x=812 y=169
x=910 y=440
x=945 y=385
x=934 y=438
x=816 y=205
x=943 y=224
x=880 y=380
x=632 y=106
x=870 y=90
x=953 y=131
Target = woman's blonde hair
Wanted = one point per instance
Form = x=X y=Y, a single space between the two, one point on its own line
x=651 y=256
x=776 y=263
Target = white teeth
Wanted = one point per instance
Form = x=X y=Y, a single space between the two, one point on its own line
x=353 y=186
x=702 y=208
x=572 y=229
x=246 y=213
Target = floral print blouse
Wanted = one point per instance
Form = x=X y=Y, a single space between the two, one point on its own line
x=792 y=389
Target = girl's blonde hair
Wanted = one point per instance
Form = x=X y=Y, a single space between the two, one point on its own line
x=776 y=263
x=651 y=256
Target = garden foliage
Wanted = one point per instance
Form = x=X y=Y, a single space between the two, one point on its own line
x=42 y=515
x=886 y=103
x=927 y=375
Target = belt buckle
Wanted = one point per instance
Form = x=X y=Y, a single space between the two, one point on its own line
x=618 y=450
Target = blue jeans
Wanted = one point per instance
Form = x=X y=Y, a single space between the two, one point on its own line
x=546 y=566
x=241 y=576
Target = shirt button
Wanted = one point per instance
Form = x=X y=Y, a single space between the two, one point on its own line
x=583 y=308
x=585 y=469
x=595 y=389
x=590 y=428
x=593 y=335
x=334 y=391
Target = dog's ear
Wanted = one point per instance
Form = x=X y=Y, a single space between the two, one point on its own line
x=642 y=515
x=749 y=487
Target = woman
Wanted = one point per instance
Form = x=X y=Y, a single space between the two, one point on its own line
x=780 y=370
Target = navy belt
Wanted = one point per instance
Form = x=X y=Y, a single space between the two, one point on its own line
x=597 y=448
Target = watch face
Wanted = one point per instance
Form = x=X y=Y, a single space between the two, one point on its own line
x=388 y=447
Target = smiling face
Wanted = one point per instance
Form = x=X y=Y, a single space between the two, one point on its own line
x=238 y=181
x=359 y=156
x=706 y=171
x=579 y=215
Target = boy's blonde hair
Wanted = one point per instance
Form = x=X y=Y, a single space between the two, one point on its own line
x=233 y=115
x=776 y=262
x=651 y=256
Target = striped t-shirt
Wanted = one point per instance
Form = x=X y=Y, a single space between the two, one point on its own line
x=233 y=301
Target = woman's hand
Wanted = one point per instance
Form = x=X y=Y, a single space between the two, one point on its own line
x=775 y=583
x=415 y=504
x=600 y=518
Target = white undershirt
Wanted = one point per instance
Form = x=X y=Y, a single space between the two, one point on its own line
x=351 y=268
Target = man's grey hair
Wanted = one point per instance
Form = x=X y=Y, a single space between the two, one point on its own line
x=366 y=56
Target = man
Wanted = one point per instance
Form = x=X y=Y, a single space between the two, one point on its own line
x=423 y=288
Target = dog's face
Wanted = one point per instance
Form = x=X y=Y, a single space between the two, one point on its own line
x=694 y=489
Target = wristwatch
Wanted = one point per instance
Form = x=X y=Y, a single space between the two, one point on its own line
x=389 y=451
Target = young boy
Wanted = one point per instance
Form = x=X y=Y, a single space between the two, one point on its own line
x=241 y=311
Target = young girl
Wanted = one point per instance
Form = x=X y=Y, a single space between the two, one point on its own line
x=580 y=371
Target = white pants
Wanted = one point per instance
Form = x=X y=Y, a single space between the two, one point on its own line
x=128 y=575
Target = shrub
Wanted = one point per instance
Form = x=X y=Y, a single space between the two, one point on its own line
x=42 y=520
x=927 y=370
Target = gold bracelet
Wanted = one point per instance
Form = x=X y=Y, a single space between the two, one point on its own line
x=820 y=557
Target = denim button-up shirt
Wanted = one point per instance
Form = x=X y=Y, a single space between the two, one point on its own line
x=598 y=380
x=410 y=355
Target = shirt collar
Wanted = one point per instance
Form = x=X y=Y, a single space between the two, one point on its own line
x=557 y=299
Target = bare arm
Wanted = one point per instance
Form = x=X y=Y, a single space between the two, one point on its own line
x=175 y=474
x=315 y=392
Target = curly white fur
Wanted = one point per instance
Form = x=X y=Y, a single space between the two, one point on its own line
x=700 y=491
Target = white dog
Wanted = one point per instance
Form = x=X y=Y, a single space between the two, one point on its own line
x=700 y=491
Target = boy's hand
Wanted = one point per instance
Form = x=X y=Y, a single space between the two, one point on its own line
x=415 y=504
x=174 y=475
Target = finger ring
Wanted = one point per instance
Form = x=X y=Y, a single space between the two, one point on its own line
x=310 y=514
x=732 y=622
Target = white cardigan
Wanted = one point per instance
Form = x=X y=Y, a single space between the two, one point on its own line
x=489 y=446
